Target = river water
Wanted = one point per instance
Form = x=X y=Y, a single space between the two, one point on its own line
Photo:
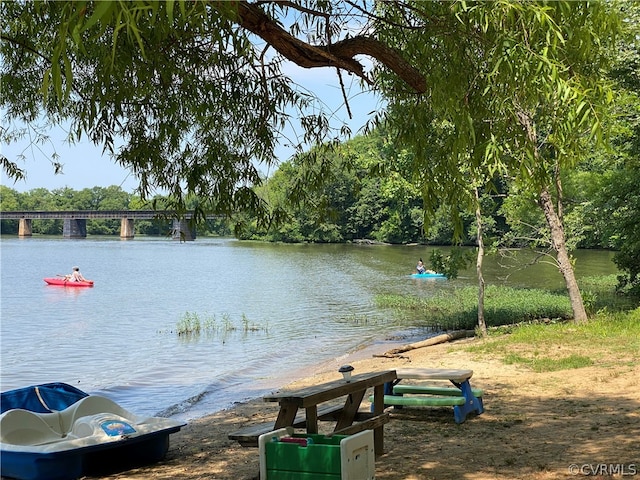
x=273 y=313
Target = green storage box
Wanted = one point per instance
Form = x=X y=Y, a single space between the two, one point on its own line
x=339 y=457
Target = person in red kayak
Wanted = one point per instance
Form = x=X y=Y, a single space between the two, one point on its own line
x=75 y=276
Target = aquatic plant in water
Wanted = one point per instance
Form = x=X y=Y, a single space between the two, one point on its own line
x=192 y=325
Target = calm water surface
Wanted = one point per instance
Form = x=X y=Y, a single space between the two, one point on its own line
x=277 y=312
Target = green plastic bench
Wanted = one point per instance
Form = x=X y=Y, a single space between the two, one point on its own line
x=422 y=401
x=462 y=397
x=401 y=389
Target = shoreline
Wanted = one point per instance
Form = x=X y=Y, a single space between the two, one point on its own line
x=535 y=425
x=364 y=351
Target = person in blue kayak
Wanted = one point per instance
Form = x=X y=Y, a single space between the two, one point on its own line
x=75 y=276
x=420 y=268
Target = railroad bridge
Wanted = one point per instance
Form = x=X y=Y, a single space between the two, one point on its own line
x=75 y=221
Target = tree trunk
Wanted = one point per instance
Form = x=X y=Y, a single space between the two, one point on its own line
x=481 y=323
x=564 y=263
x=554 y=221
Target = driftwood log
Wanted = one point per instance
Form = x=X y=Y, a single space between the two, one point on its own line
x=445 y=337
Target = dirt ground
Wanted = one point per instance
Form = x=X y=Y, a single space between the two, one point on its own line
x=536 y=426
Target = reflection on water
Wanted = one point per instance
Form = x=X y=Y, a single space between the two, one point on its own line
x=310 y=304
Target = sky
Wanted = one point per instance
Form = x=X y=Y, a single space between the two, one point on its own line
x=85 y=166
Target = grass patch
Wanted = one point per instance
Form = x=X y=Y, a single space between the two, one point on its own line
x=546 y=364
x=599 y=295
x=458 y=308
x=618 y=331
x=608 y=339
x=529 y=327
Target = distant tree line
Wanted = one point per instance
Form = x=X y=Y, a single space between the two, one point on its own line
x=354 y=203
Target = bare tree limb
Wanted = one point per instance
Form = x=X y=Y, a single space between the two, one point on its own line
x=340 y=55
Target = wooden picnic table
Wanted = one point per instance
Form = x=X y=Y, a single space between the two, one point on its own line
x=347 y=418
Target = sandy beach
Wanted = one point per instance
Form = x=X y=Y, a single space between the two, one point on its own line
x=536 y=426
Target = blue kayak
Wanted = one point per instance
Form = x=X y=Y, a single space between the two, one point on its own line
x=428 y=275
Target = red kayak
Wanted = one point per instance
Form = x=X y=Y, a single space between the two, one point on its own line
x=63 y=282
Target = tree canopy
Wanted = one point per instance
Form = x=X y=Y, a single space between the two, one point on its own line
x=197 y=96
x=197 y=92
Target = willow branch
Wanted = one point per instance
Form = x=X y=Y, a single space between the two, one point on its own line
x=339 y=55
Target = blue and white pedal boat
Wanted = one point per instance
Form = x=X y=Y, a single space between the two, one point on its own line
x=57 y=432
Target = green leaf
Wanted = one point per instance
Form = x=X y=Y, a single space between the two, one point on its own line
x=57 y=80
x=170 y=4
x=102 y=12
x=46 y=78
x=496 y=67
x=68 y=72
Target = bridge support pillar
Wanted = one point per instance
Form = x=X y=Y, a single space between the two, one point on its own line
x=182 y=231
x=126 y=228
x=24 y=227
x=74 y=228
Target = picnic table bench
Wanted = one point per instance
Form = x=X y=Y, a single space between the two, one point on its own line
x=349 y=420
x=248 y=436
x=461 y=396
